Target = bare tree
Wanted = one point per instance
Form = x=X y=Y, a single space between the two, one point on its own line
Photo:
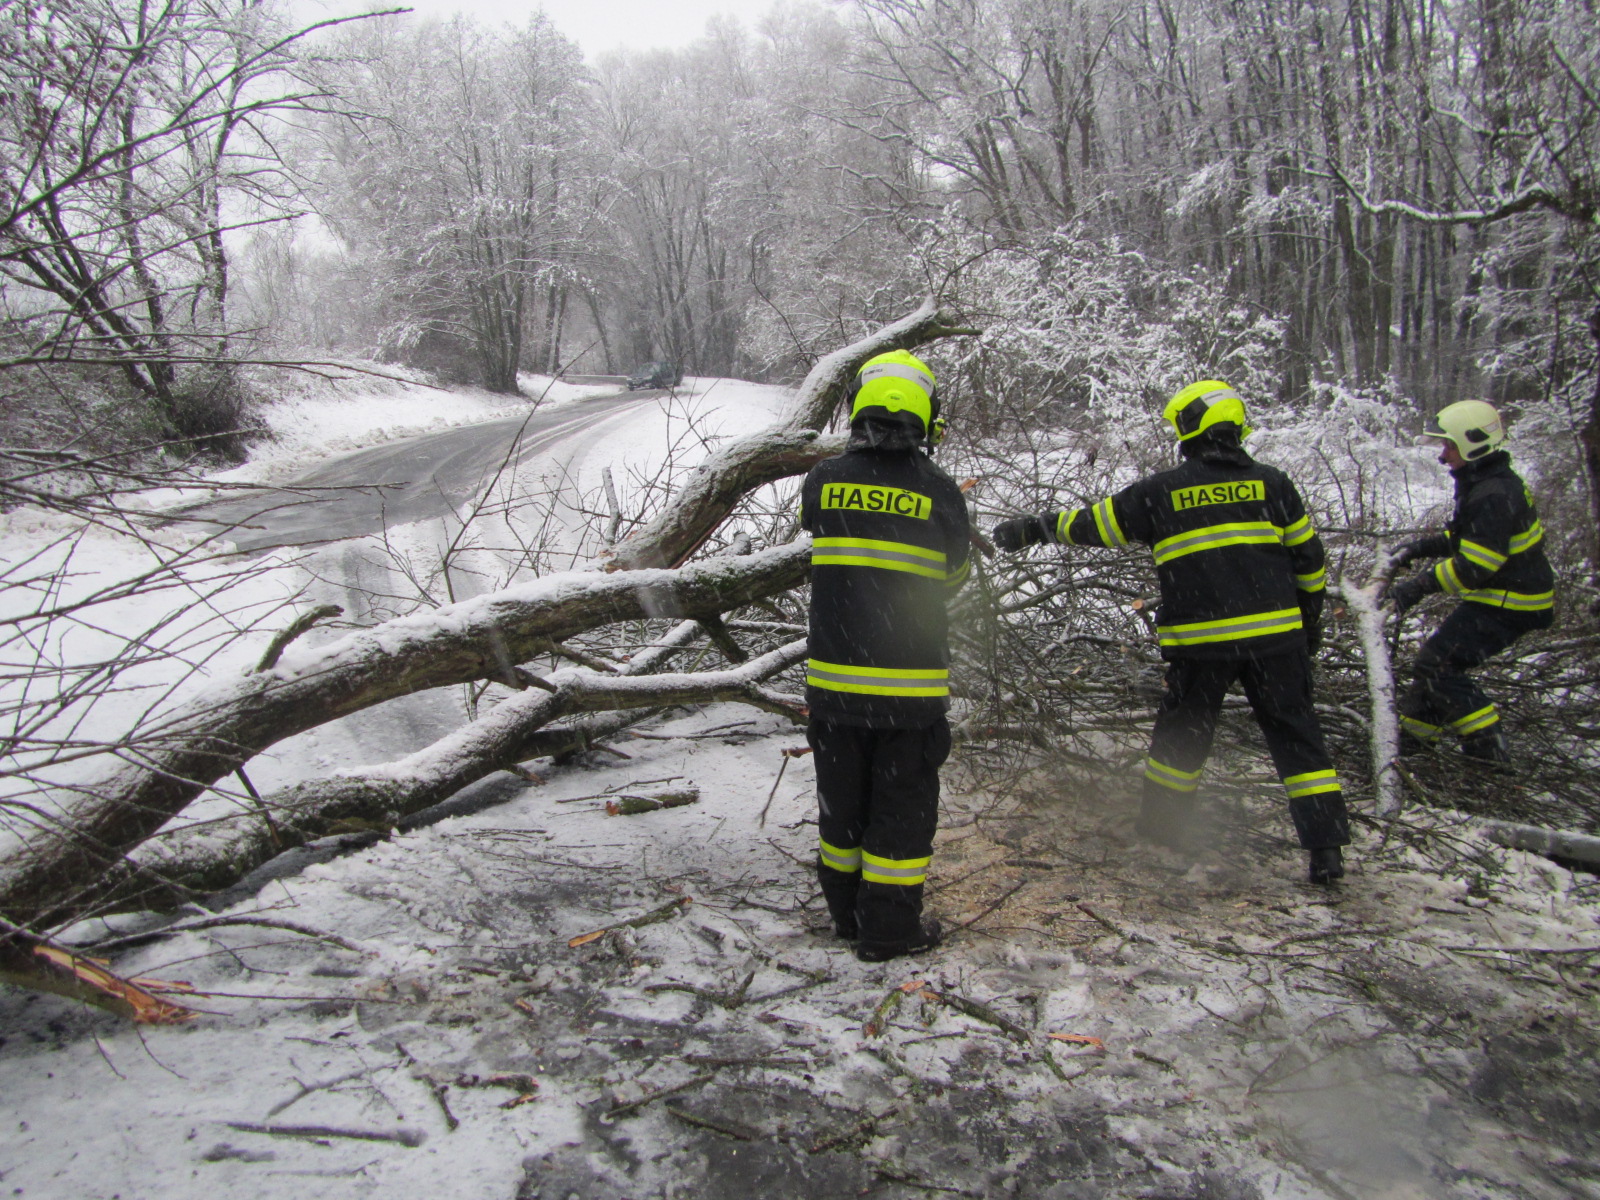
x=134 y=141
x=464 y=200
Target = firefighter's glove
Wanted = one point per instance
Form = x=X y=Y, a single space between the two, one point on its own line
x=1019 y=533
x=1314 y=637
x=1405 y=594
x=1425 y=547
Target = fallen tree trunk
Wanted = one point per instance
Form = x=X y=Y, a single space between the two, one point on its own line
x=63 y=871
x=1552 y=843
x=1384 y=747
x=31 y=962
x=173 y=865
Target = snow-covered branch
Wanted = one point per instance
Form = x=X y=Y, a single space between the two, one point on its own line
x=214 y=856
x=1574 y=205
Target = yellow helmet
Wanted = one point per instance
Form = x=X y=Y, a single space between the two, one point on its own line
x=895 y=383
x=1474 y=426
x=1201 y=405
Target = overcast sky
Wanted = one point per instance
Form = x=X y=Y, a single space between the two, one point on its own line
x=596 y=25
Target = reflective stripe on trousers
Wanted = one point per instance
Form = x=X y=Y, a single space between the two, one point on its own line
x=1311 y=783
x=840 y=858
x=906 y=871
x=1170 y=777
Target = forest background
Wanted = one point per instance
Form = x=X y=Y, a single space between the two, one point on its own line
x=1396 y=198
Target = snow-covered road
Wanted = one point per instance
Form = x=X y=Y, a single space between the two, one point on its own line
x=412 y=479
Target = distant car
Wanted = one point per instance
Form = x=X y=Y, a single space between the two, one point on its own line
x=656 y=375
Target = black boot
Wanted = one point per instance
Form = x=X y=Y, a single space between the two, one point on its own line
x=839 y=890
x=926 y=938
x=1327 y=865
x=891 y=920
x=1164 y=820
x=1488 y=746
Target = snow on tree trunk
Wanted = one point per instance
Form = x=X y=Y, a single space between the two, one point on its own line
x=709 y=495
x=61 y=872
x=215 y=855
x=1363 y=600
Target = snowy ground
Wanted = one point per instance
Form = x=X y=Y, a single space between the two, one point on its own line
x=1424 y=1031
x=425 y=1028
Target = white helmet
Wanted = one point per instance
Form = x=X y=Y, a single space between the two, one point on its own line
x=1473 y=426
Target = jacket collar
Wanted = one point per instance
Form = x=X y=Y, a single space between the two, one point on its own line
x=1217 y=452
x=883 y=436
x=1492 y=463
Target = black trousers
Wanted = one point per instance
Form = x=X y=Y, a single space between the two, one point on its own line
x=1279 y=690
x=877 y=811
x=1442 y=696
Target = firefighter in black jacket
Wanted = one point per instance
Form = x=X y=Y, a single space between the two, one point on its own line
x=1494 y=562
x=1242 y=580
x=889 y=547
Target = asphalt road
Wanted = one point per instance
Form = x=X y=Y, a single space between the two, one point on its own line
x=408 y=480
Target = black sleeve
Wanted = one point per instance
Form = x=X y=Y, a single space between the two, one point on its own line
x=808 y=501
x=1307 y=559
x=1115 y=521
x=1484 y=528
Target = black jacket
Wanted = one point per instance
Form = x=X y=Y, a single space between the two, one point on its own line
x=1493 y=547
x=890 y=545
x=1240 y=566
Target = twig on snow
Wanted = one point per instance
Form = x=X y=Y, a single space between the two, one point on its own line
x=670 y=909
x=410 y=1138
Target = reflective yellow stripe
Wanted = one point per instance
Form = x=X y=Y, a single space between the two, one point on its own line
x=1105 y=520
x=1476 y=722
x=1251 y=625
x=1445 y=573
x=906 y=871
x=1064 y=525
x=1421 y=729
x=959 y=576
x=840 y=858
x=894 y=370
x=876 y=681
x=1312 y=783
x=1489 y=560
x=1313 y=582
x=1527 y=539
x=1299 y=532
x=1515 y=601
x=1213 y=537
x=890 y=556
x=1170 y=777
